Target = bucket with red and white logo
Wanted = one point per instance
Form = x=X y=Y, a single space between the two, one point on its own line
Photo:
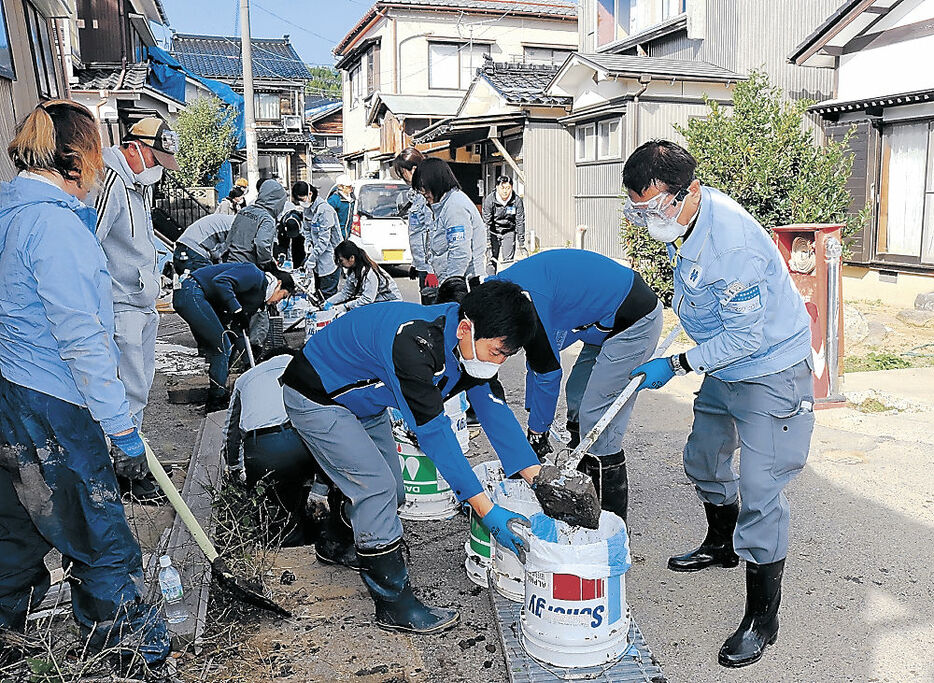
x=575 y=612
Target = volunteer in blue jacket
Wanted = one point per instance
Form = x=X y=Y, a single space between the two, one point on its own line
x=736 y=300
x=410 y=357
x=223 y=296
x=584 y=296
x=60 y=395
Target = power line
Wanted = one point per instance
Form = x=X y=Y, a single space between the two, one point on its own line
x=291 y=23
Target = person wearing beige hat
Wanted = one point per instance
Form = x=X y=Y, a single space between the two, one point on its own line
x=124 y=229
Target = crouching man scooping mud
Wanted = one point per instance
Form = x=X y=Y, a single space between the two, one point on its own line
x=734 y=297
x=410 y=357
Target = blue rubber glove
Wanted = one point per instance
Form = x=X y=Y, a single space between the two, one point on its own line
x=327 y=306
x=502 y=523
x=657 y=373
x=130 y=458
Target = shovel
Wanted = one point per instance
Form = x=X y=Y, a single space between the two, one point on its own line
x=233 y=585
x=568 y=495
x=249 y=349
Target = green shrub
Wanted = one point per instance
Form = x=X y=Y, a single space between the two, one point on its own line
x=207 y=137
x=762 y=154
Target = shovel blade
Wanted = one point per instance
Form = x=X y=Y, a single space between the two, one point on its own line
x=237 y=588
x=568 y=496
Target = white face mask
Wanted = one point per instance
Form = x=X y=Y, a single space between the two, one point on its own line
x=148 y=176
x=665 y=229
x=478 y=368
x=304 y=204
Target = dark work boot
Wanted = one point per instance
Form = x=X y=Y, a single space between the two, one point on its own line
x=574 y=429
x=335 y=542
x=397 y=608
x=717 y=547
x=759 y=626
x=611 y=481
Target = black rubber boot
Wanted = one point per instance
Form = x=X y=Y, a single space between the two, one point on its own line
x=397 y=608
x=335 y=543
x=717 y=548
x=611 y=481
x=759 y=627
x=574 y=429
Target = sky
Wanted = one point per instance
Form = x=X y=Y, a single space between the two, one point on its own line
x=314 y=26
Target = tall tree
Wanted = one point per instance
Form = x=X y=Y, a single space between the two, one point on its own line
x=325 y=81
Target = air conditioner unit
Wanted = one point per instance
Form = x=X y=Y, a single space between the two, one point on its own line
x=292 y=122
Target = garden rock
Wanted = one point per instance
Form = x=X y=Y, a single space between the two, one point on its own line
x=924 y=302
x=855 y=326
x=916 y=318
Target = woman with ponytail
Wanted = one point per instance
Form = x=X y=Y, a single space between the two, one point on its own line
x=60 y=395
x=364 y=281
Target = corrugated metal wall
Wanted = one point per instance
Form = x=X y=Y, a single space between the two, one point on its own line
x=675 y=46
x=751 y=34
x=7 y=127
x=598 y=204
x=548 y=165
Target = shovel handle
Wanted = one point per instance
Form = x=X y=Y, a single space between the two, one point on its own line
x=617 y=405
x=249 y=349
x=181 y=507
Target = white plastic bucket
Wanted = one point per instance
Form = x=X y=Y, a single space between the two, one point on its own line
x=456 y=410
x=572 y=621
x=427 y=494
x=508 y=572
x=479 y=545
x=315 y=321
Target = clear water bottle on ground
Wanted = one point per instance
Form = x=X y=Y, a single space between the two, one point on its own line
x=171 y=584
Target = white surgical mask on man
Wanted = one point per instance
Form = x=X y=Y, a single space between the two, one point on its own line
x=149 y=175
x=478 y=369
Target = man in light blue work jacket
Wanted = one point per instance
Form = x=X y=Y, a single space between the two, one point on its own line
x=735 y=299
x=322 y=233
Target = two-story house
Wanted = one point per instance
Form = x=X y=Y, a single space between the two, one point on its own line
x=421 y=56
x=279 y=77
x=643 y=65
x=879 y=52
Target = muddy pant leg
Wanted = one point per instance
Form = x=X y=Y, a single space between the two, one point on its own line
x=190 y=304
x=774 y=417
x=380 y=430
x=135 y=335
x=24 y=578
x=708 y=453
x=507 y=247
x=493 y=261
x=577 y=380
x=328 y=283
x=618 y=356
x=66 y=484
x=354 y=463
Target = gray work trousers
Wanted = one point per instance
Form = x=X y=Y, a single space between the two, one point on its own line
x=600 y=374
x=360 y=457
x=135 y=335
x=770 y=419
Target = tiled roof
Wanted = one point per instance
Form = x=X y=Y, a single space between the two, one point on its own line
x=523 y=83
x=219 y=57
x=557 y=9
x=282 y=138
x=133 y=77
x=631 y=65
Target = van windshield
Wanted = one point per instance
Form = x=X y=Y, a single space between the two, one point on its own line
x=379 y=200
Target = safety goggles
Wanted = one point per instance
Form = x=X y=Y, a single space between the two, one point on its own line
x=663 y=206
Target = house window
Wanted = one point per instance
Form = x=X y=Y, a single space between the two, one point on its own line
x=544 y=55
x=356 y=85
x=586 y=137
x=451 y=66
x=266 y=105
x=372 y=70
x=41 y=48
x=6 y=55
x=617 y=19
x=906 y=209
x=609 y=144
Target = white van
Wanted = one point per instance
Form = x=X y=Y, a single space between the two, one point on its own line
x=377 y=225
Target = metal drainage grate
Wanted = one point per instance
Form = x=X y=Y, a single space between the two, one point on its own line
x=637 y=665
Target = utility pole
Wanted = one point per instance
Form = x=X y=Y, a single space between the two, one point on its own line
x=249 y=115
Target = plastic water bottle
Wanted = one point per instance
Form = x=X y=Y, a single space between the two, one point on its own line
x=171 y=584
